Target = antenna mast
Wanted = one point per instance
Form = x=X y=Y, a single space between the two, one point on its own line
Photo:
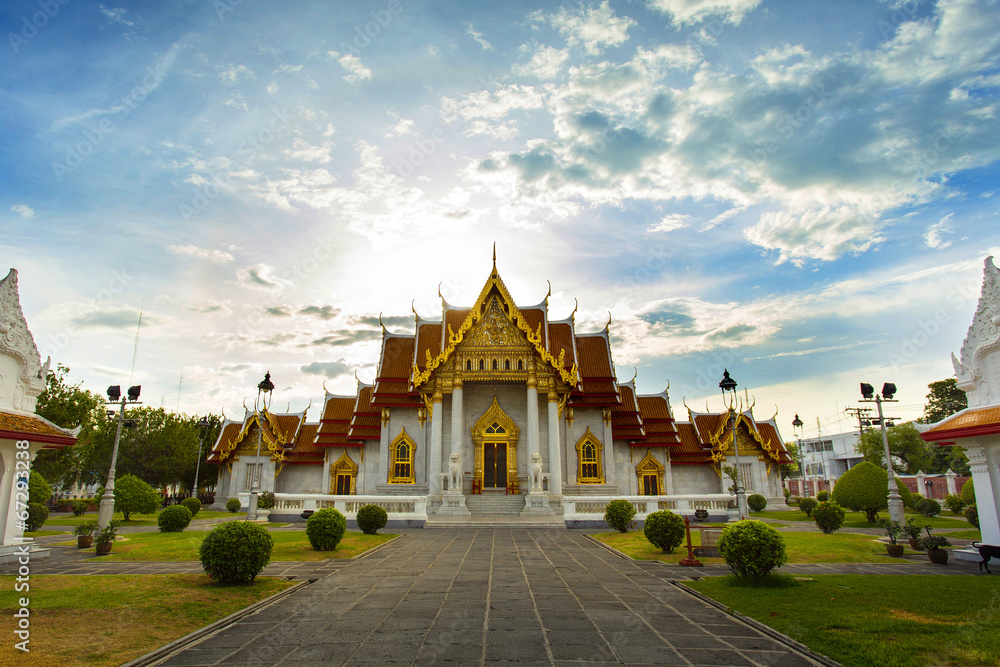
x=135 y=350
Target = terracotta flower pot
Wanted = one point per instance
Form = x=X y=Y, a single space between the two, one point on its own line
x=104 y=549
x=895 y=550
x=938 y=556
x=84 y=541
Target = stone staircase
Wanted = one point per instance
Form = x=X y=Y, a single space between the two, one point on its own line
x=488 y=505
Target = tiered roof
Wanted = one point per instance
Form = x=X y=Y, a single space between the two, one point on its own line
x=705 y=438
x=288 y=438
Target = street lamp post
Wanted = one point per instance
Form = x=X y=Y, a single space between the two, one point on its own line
x=728 y=384
x=265 y=387
x=201 y=443
x=797 y=427
x=895 y=502
x=106 y=508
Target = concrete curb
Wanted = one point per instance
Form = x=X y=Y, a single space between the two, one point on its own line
x=166 y=650
x=760 y=627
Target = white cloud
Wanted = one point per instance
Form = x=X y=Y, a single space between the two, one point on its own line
x=486 y=111
x=260 y=277
x=23 y=210
x=546 y=63
x=272 y=88
x=403 y=127
x=478 y=37
x=595 y=27
x=214 y=256
x=825 y=232
x=933 y=237
x=356 y=71
x=694 y=11
x=670 y=223
x=233 y=74
x=303 y=150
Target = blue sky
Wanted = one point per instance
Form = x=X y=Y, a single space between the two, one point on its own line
x=803 y=192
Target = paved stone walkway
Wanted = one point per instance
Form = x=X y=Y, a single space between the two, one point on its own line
x=477 y=596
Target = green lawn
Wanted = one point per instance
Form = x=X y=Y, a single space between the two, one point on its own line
x=136 y=519
x=43 y=533
x=288 y=546
x=878 y=621
x=102 y=621
x=858 y=520
x=800 y=547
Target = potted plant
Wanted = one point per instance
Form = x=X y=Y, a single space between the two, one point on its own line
x=85 y=534
x=265 y=503
x=893 y=530
x=701 y=514
x=912 y=532
x=933 y=544
x=106 y=538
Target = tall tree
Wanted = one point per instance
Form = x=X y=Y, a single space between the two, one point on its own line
x=905 y=445
x=67 y=405
x=945 y=400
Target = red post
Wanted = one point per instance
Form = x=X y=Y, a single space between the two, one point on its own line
x=690 y=561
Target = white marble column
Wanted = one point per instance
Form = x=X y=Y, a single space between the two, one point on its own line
x=532 y=425
x=437 y=437
x=950 y=481
x=457 y=420
x=668 y=475
x=555 y=465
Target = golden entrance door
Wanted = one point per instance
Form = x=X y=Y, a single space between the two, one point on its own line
x=494 y=465
x=650 y=485
x=343 y=484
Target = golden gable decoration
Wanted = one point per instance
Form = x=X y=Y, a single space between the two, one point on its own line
x=273 y=439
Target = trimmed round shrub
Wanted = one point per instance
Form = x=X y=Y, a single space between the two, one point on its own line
x=968 y=492
x=174 y=519
x=325 y=529
x=193 y=505
x=954 y=502
x=265 y=501
x=928 y=507
x=972 y=515
x=38 y=514
x=134 y=496
x=863 y=488
x=756 y=502
x=822 y=496
x=619 y=514
x=807 y=505
x=915 y=498
x=905 y=494
x=233 y=505
x=751 y=549
x=235 y=552
x=80 y=507
x=370 y=518
x=39 y=490
x=664 y=529
x=829 y=516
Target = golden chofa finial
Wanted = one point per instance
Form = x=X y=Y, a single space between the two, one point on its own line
x=576 y=305
x=494 y=254
x=550 y=289
x=380 y=323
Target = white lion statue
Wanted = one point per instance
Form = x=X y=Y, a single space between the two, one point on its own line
x=455 y=472
x=535 y=471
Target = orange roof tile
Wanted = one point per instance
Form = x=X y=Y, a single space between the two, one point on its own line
x=658 y=422
x=534 y=317
x=561 y=338
x=625 y=421
x=366 y=423
x=690 y=450
x=335 y=422
x=397 y=357
x=428 y=340
x=454 y=317
x=305 y=450
x=15 y=426
x=594 y=356
x=967 y=423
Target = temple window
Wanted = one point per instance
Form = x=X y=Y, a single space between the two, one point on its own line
x=482 y=364
x=588 y=451
x=468 y=364
x=401 y=465
x=495 y=365
x=506 y=364
x=520 y=364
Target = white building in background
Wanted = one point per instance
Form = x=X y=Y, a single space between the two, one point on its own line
x=830 y=456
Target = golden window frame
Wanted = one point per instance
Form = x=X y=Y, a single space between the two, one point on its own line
x=394 y=459
x=339 y=465
x=597 y=461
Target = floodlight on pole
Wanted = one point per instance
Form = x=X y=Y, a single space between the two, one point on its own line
x=106 y=509
x=895 y=502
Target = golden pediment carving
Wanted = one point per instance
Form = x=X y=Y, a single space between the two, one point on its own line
x=495 y=330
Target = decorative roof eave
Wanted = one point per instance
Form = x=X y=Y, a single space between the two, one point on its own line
x=274 y=440
x=513 y=314
x=969 y=423
x=982 y=339
x=720 y=440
